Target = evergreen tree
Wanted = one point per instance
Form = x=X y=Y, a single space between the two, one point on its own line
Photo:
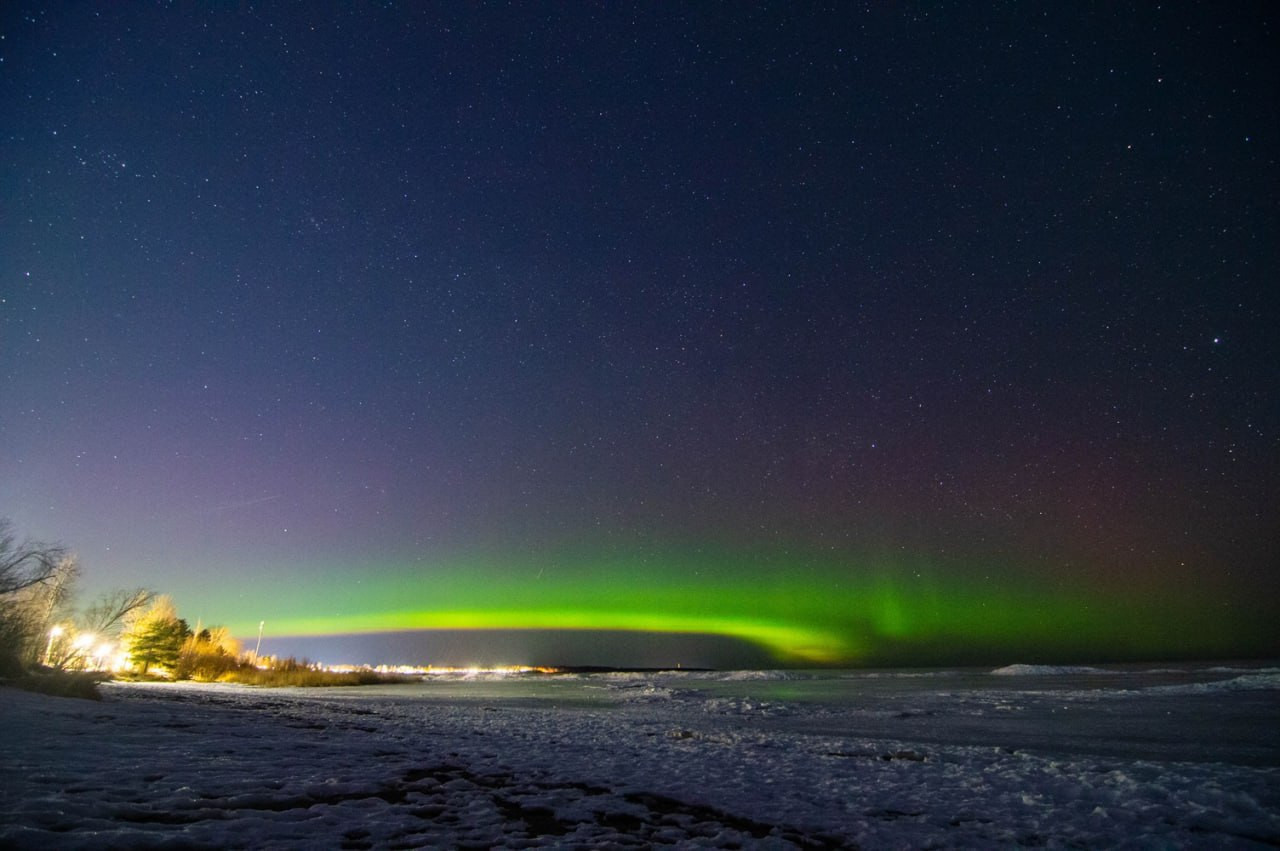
x=159 y=644
x=156 y=636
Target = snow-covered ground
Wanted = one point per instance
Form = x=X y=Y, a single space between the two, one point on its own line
x=1070 y=757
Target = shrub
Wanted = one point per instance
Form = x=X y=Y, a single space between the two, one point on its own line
x=303 y=674
x=79 y=684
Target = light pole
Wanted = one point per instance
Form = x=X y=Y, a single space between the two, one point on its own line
x=258 y=646
x=48 y=650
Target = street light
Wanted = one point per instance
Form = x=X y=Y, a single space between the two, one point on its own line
x=83 y=642
x=48 y=650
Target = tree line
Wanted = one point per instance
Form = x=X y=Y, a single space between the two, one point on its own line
x=41 y=629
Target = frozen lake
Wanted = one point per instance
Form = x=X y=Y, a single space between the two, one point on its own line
x=1174 y=756
x=1137 y=712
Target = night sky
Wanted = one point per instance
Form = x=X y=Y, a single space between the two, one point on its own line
x=612 y=334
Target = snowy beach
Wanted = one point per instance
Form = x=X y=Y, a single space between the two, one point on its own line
x=1177 y=756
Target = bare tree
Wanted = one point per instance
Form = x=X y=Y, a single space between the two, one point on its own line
x=35 y=580
x=26 y=563
x=107 y=616
x=53 y=595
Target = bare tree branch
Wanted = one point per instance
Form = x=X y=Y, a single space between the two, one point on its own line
x=28 y=563
x=108 y=614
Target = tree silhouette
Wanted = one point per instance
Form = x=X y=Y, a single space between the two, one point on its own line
x=35 y=579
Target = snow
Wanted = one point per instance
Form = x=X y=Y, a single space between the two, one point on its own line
x=1079 y=758
x=1045 y=670
x=1269 y=681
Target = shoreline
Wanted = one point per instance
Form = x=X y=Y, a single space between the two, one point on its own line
x=590 y=762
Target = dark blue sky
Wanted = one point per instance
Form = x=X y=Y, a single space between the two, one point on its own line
x=292 y=294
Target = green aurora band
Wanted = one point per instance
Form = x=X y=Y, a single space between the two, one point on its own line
x=801 y=610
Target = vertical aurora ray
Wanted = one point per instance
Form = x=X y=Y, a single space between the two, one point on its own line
x=801 y=610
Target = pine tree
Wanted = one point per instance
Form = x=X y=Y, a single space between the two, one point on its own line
x=156 y=636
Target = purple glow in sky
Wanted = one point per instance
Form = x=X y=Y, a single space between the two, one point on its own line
x=296 y=300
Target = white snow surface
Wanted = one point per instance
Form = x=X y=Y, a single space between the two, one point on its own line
x=1164 y=759
x=1045 y=670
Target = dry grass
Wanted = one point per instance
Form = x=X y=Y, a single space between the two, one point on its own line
x=78 y=684
x=308 y=677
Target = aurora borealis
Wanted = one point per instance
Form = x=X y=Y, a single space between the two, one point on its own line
x=849 y=335
x=833 y=615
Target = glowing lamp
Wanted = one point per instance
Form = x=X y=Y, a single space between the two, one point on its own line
x=54 y=632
